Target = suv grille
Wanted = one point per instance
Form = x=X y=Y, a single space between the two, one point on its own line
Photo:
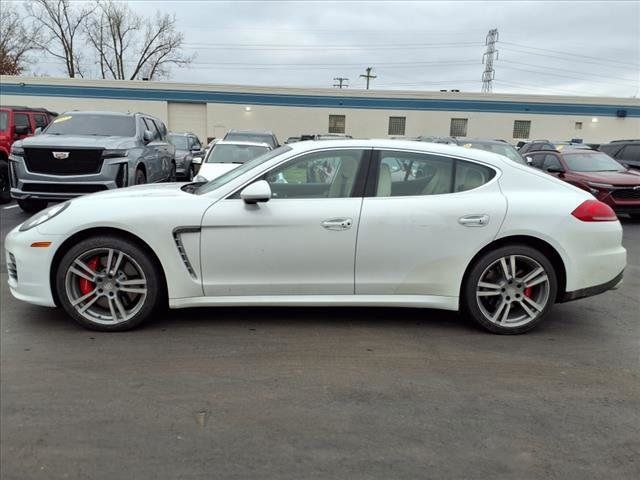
x=626 y=194
x=12 y=269
x=80 y=161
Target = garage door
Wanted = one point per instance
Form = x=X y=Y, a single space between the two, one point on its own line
x=188 y=117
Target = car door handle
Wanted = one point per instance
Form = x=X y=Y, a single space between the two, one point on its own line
x=337 y=224
x=474 y=220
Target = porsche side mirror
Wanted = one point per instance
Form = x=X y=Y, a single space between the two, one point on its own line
x=259 y=191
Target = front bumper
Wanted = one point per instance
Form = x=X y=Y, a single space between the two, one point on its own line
x=621 y=205
x=114 y=173
x=29 y=267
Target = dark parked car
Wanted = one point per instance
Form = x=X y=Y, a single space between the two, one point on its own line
x=608 y=181
x=187 y=146
x=536 y=146
x=625 y=151
x=255 y=136
x=494 y=146
x=17 y=123
x=86 y=152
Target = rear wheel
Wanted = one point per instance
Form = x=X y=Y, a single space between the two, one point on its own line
x=190 y=174
x=5 y=185
x=510 y=290
x=140 y=177
x=108 y=284
x=30 y=205
x=172 y=173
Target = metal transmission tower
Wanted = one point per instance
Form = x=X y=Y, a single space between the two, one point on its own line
x=489 y=73
x=341 y=82
x=368 y=76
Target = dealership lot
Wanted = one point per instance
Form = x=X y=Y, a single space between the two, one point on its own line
x=323 y=393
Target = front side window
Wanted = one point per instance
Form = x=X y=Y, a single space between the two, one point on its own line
x=409 y=174
x=630 y=152
x=326 y=174
x=397 y=125
x=521 y=128
x=41 y=120
x=337 y=123
x=551 y=161
x=458 y=127
x=93 y=124
x=151 y=126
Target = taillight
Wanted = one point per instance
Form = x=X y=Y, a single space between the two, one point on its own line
x=594 y=211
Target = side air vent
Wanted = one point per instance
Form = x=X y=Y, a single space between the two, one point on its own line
x=177 y=238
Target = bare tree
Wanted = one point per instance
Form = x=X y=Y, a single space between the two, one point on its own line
x=129 y=47
x=17 y=39
x=60 y=22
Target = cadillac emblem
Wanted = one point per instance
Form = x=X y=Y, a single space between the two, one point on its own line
x=60 y=155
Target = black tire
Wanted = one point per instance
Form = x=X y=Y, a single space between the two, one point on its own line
x=5 y=184
x=155 y=297
x=470 y=302
x=172 y=173
x=31 y=205
x=191 y=173
x=140 y=177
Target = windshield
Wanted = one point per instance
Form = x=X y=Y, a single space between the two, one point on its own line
x=592 y=162
x=226 y=153
x=502 y=149
x=180 y=141
x=236 y=172
x=4 y=120
x=93 y=124
x=249 y=137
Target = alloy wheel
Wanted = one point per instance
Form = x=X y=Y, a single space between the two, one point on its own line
x=106 y=286
x=513 y=291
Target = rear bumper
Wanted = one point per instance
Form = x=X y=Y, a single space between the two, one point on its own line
x=591 y=291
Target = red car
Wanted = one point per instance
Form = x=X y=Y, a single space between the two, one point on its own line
x=17 y=123
x=608 y=181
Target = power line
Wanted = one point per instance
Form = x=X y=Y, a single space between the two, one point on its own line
x=295 y=47
x=589 y=74
x=570 y=54
x=489 y=73
x=564 y=59
x=559 y=75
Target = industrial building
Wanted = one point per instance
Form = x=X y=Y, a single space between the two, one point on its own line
x=211 y=110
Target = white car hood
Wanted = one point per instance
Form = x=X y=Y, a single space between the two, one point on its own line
x=214 y=170
x=156 y=190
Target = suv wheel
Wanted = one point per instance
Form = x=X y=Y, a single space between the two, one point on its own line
x=172 y=173
x=191 y=174
x=140 y=178
x=510 y=290
x=5 y=185
x=108 y=283
x=30 y=205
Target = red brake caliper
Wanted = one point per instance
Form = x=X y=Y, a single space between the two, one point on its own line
x=85 y=285
x=527 y=292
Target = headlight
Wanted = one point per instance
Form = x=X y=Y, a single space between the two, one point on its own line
x=43 y=216
x=200 y=178
x=114 y=153
x=17 y=151
x=599 y=185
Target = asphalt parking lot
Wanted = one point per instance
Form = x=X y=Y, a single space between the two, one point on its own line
x=293 y=393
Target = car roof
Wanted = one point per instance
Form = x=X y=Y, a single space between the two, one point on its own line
x=243 y=143
x=484 y=141
x=426 y=147
x=106 y=113
x=253 y=132
x=564 y=151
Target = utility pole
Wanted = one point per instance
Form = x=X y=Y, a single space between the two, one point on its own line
x=368 y=76
x=489 y=73
x=341 y=81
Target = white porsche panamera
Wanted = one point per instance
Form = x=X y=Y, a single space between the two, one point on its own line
x=355 y=222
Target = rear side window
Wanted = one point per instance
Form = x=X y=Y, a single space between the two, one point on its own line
x=21 y=120
x=410 y=174
x=4 y=120
x=630 y=152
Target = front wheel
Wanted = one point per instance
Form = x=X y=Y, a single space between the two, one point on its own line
x=30 y=205
x=172 y=173
x=140 y=177
x=5 y=185
x=108 y=284
x=510 y=290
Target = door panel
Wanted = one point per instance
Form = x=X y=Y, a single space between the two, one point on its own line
x=279 y=247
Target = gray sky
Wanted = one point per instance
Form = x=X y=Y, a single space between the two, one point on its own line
x=583 y=48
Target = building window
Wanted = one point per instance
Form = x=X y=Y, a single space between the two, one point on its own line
x=336 y=123
x=578 y=125
x=521 y=128
x=458 y=127
x=397 y=125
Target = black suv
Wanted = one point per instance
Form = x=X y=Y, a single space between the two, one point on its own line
x=625 y=151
